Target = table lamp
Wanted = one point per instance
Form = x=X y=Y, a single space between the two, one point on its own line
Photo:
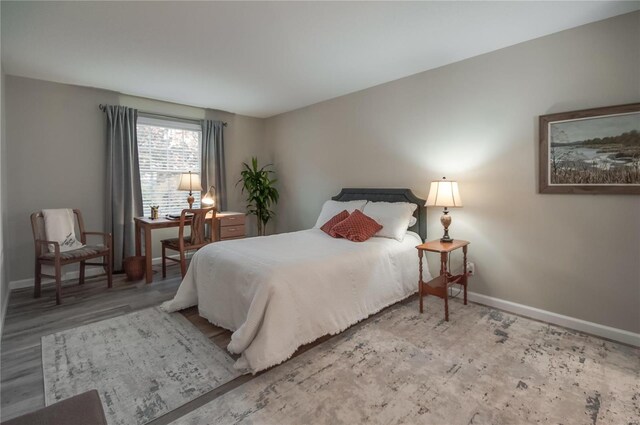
x=190 y=181
x=444 y=193
x=209 y=199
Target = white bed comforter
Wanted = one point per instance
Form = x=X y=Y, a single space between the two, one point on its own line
x=279 y=292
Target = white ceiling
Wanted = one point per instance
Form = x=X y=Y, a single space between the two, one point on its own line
x=265 y=58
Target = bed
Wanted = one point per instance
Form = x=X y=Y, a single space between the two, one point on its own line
x=278 y=292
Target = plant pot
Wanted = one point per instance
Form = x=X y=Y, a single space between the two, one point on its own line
x=134 y=268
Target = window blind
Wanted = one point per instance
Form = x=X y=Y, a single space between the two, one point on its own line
x=167 y=149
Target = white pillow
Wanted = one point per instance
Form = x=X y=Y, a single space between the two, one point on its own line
x=393 y=216
x=412 y=221
x=331 y=208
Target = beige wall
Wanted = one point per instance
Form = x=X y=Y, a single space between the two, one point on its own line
x=245 y=139
x=475 y=121
x=56 y=145
x=56 y=149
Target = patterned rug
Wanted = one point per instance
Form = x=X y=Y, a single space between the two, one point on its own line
x=482 y=367
x=143 y=364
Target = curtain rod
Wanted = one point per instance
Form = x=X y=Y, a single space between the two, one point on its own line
x=103 y=108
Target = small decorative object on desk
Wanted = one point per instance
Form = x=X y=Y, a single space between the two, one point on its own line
x=155 y=212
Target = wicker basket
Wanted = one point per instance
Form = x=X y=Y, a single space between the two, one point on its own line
x=134 y=268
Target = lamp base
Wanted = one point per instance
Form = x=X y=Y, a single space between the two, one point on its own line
x=445 y=219
x=190 y=200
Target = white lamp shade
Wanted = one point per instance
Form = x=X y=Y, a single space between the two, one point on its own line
x=444 y=193
x=190 y=182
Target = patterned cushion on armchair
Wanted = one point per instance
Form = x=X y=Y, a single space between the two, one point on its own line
x=86 y=250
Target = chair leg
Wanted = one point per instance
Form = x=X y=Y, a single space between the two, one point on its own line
x=107 y=269
x=164 y=261
x=183 y=263
x=37 y=280
x=58 y=283
x=82 y=269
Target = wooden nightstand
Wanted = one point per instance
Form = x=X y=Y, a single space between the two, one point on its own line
x=440 y=285
x=231 y=225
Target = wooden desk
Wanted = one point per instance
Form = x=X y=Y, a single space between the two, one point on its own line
x=440 y=285
x=229 y=225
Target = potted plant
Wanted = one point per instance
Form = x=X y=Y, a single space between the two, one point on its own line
x=261 y=194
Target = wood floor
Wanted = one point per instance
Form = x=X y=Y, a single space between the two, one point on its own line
x=28 y=319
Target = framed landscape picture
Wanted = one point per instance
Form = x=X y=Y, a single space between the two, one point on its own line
x=591 y=151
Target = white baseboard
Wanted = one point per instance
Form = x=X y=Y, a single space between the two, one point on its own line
x=26 y=283
x=89 y=272
x=592 y=328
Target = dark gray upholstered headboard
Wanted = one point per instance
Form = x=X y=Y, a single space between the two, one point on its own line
x=390 y=195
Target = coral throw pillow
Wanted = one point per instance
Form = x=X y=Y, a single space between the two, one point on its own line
x=326 y=227
x=358 y=227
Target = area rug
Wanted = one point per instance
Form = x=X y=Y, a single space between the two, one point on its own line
x=143 y=364
x=482 y=367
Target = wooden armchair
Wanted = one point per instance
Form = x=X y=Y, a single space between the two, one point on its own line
x=196 y=219
x=58 y=259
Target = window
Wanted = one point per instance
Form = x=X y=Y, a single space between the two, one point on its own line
x=167 y=149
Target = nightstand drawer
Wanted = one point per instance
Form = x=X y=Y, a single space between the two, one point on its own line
x=231 y=231
x=232 y=220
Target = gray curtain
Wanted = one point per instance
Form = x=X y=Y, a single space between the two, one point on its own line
x=124 y=194
x=212 y=170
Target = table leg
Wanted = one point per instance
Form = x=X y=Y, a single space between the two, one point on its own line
x=420 y=278
x=446 y=306
x=138 y=241
x=465 y=278
x=147 y=254
x=443 y=272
